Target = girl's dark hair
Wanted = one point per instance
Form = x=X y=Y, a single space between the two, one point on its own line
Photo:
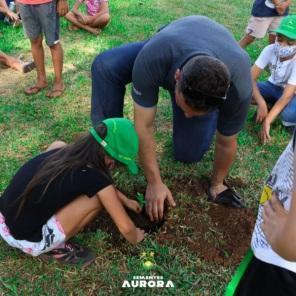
x=204 y=83
x=85 y=151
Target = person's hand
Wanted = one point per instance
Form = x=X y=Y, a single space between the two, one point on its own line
x=156 y=194
x=62 y=7
x=265 y=131
x=274 y=219
x=13 y=16
x=262 y=112
x=140 y=235
x=133 y=205
x=281 y=8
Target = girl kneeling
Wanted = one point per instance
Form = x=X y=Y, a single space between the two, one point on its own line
x=56 y=194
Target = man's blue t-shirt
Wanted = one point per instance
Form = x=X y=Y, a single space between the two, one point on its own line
x=171 y=47
x=260 y=9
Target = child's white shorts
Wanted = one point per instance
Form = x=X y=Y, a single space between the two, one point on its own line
x=259 y=26
x=52 y=236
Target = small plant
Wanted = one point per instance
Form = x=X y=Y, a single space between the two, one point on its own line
x=140 y=198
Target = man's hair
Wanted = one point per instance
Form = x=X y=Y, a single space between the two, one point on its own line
x=204 y=83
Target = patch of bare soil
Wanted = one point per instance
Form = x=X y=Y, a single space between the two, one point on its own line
x=217 y=234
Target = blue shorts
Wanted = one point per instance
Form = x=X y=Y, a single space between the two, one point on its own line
x=271 y=93
x=41 y=19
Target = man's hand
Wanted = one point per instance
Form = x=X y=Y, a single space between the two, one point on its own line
x=262 y=111
x=156 y=194
x=62 y=7
x=265 y=131
x=274 y=221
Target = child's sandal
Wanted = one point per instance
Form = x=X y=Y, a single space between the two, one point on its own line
x=70 y=254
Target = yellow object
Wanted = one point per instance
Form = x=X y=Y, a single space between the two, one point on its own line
x=266 y=194
x=148 y=264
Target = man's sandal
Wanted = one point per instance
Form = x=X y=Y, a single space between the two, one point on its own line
x=71 y=254
x=228 y=198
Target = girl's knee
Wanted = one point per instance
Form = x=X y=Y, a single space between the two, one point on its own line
x=56 y=145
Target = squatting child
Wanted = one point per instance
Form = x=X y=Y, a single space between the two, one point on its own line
x=57 y=193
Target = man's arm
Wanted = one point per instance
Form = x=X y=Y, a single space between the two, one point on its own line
x=225 y=152
x=279 y=226
x=156 y=191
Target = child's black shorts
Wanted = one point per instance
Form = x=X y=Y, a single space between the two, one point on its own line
x=262 y=279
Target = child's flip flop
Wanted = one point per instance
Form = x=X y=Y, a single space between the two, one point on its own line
x=33 y=90
x=54 y=93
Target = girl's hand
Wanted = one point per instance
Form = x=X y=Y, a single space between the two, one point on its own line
x=262 y=112
x=133 y=205
x=140 y=235
x=265 y=136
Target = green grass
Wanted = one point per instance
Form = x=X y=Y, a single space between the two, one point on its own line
x=29 y=124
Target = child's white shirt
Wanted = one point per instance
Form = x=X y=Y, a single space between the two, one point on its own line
x=280 y=181
x=282 y=73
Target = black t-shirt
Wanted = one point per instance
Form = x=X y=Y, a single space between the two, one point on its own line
x=35 y=213
x=171 y=47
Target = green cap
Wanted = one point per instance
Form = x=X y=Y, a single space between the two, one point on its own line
x=121 y=141
x=287 y=27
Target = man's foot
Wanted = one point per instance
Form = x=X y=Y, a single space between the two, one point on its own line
x=35 y=89
x=69 y=254
x=225 y=196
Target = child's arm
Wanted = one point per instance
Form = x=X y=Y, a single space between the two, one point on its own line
x=280 y=6
x=276 y=110
x=4 y=9
x=279 y=226
x=111 y=202
x=262 y=107
x=62 y=7
x=76 y=6
x=129 y=203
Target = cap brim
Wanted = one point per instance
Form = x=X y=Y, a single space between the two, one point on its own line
x=285 y=33
x=133 y=168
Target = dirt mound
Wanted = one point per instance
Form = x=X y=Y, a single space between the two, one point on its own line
x=215 y=233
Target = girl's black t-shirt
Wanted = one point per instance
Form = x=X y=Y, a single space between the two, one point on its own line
x=36 y=211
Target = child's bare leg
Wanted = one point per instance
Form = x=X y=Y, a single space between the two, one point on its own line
x=56 y=145
x=38 y=56
x=57 y=60
x=76 y=215
x=71 y=17
x=99 y=21
x=15 y=63
x=246 y=40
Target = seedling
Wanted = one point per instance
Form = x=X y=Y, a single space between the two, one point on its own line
x=141 y=199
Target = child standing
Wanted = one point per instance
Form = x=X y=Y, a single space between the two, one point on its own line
x=272 y=270
x=54 y=195
x=96 y=19
x=279 y=91
x=266 y=16
x=42 y=17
